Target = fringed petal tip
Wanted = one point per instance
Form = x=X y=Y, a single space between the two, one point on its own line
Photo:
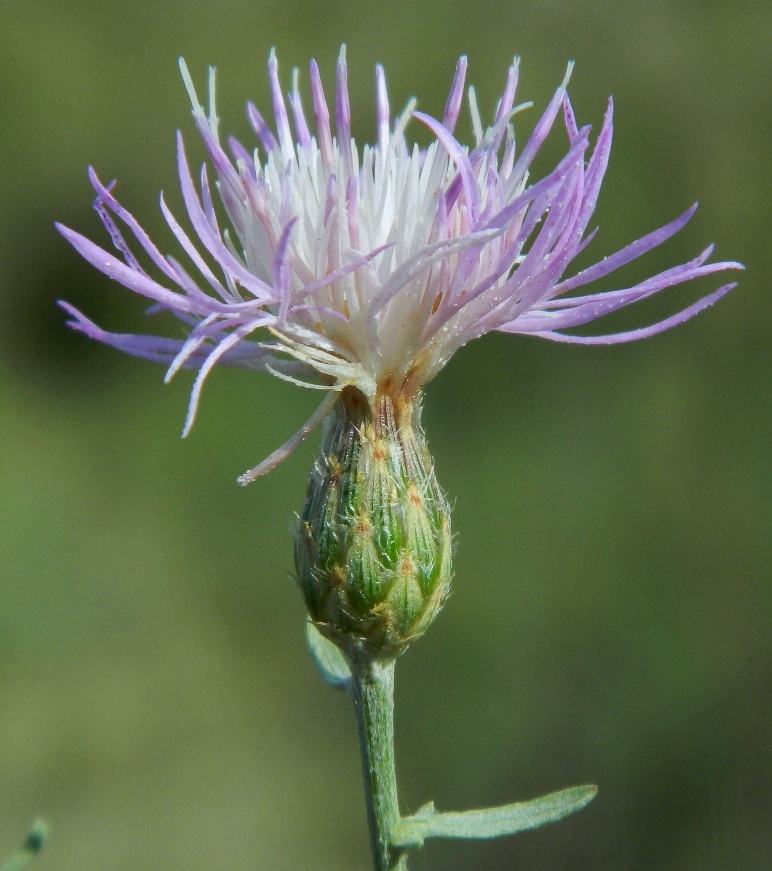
x=157 y=349
x=77 y=320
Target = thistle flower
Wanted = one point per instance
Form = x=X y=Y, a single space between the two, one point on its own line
x=368 y=268
x=361 y=274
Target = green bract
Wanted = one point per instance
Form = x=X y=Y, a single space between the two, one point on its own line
x=373 y=547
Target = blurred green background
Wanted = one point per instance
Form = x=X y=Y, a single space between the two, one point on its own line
x=612 y=614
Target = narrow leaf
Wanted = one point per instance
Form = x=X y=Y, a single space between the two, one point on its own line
x=29 y=849
x=329 y=660
x=491 y=822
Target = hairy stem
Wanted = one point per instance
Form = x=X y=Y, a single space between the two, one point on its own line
x=372 y=689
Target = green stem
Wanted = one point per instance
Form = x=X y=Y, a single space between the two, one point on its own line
x=372 y=689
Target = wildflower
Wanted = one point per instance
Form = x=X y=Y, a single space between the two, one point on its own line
x=368 y=268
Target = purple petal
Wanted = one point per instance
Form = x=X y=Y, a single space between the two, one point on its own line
x=115 y=234
x=154 y=348
x=602 y=304
x=570 y=119
x=321 y=309
x=281 y=277
x=212 y=358
x=105 y=196
x=358 y=262
x=190 y=287
x=230 y=181
x=205 y=329
x=508 y=97
x=455 y=97
x=597 y=168
x=262 y=130
x=128 y=277
x=540 y=188
x=191 y=251
x=643 y=332
x=241 y=154
x=279 y=109
x=420 y=262
x=541 y=130
x=322 y=115
x=459 y=158
x=626 y=255
x=206 y=199
x=211 y=240
x=299 y=117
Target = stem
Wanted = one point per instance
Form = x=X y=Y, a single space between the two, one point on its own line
x=372 y=689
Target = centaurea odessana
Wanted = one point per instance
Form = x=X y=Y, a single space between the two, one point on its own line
x=365 y=270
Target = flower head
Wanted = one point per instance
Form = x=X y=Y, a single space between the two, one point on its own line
x=370 y=267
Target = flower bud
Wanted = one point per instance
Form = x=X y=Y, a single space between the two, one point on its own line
x=373 y=547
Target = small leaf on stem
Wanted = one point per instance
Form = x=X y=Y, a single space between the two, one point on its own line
x=29 y=849
x=491 y=822
x=328 y=659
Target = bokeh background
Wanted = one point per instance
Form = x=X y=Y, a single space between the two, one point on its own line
x=612 y=614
